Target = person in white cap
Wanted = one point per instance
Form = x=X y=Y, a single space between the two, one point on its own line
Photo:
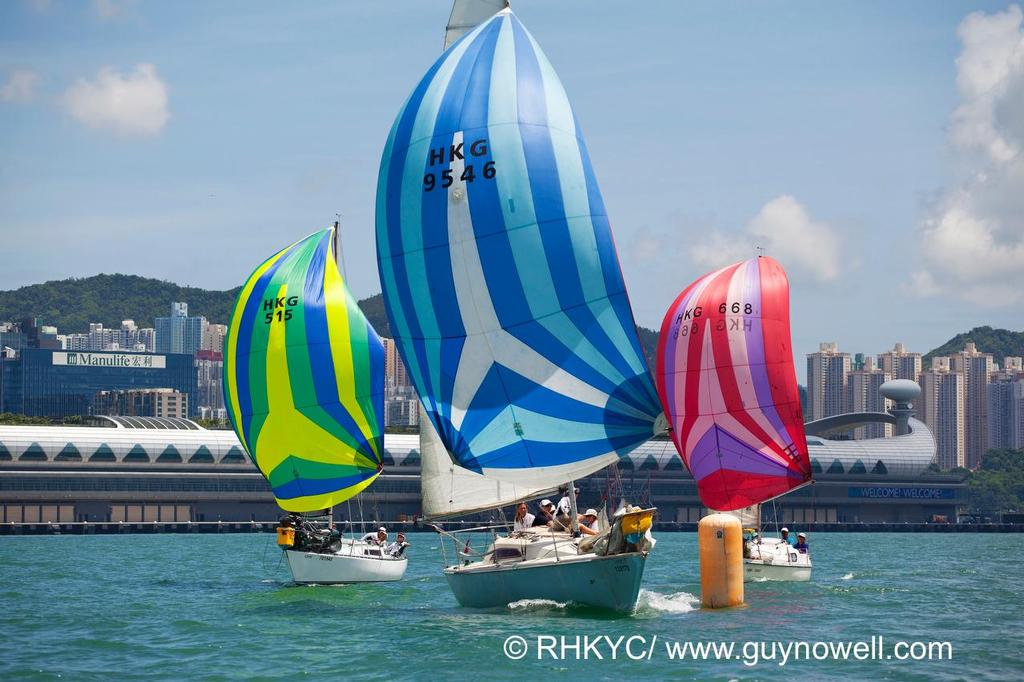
x=801 y=543
x=784 y=532
x=378 y=538
x=397 y=548
x=588 y=520
x=545 y=514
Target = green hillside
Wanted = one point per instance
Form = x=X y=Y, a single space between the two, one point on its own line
x=999 y=342
x=71 y=304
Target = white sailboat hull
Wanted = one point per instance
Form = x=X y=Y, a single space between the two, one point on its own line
x=609 y=582
x=343 y=567
x=773 y=559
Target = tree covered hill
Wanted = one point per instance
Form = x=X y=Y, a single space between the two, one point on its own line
x=999 y=342
x=71 y=304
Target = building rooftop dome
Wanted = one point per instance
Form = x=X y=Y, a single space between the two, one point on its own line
x=900 y=390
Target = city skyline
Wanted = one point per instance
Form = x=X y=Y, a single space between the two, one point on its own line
x=849 y=173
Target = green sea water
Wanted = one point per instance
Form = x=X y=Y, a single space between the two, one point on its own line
x=221 y=607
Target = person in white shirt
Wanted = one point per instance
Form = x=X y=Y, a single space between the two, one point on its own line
x=587 y=522
x=524 y=519
x=563 y=512
x=378 y=538
x=397 y=548
x=564 y=508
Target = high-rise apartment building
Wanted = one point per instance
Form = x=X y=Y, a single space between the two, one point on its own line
x=179 y=333
x=977 y=368
x=141 y=402
x=826 y=381
x=213 y=337
x=900 y=364
x=863 y=394
x=1006 y=410
x=129 y=338
x=942 y=408
x=209 y=380
x=401 y=411
x=396 y=377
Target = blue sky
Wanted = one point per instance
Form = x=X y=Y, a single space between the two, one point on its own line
x=190 y=140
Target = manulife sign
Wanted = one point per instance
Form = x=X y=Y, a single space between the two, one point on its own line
x=128 y=360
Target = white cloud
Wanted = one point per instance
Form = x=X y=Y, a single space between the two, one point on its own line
x=786 y=231
x=20 y=86
x=130 y=104
x=972 y=238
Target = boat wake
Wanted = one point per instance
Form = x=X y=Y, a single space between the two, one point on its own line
x=848 y=576
x=677 y=602
x=537 y=605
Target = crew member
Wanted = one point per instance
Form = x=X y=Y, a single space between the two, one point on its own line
x=588 y=522
x=397 y=548
x=378 y=538
x=524 y=519
x=801 y=543
x=786 y=537
x=545 y=514
x=563 y=512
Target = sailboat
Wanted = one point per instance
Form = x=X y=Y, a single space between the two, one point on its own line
x=726 y=379
x=304 y=387
x=507 y=304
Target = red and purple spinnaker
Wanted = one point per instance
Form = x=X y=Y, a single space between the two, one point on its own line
x=726 y=381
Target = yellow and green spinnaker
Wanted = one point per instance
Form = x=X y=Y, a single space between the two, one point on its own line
x=304 y=378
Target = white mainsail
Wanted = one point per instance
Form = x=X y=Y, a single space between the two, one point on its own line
x=450 y=490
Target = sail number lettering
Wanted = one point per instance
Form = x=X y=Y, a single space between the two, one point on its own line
x=688 y=321
x=733 y=324
x=279 y=309
x=458 y=152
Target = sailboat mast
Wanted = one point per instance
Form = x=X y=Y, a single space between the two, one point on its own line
x=572 y=508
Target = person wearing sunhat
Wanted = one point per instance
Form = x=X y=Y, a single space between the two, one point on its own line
x=587 y=521
x=378 y=538
x=397 y=548
x=786 y=537
x=801 y=543
x=545 y=514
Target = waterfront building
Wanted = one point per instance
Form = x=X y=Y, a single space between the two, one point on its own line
x=900 y=363
x=141 y=402
x=942 y=407
x=210 y=381
x=1006 y=410
x=179 y=333
x=863 y=394
x=827 y=371
x=137 y=469
x=977 y=368
x=48 y=383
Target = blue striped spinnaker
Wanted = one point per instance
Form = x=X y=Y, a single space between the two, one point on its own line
x=499 y=270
